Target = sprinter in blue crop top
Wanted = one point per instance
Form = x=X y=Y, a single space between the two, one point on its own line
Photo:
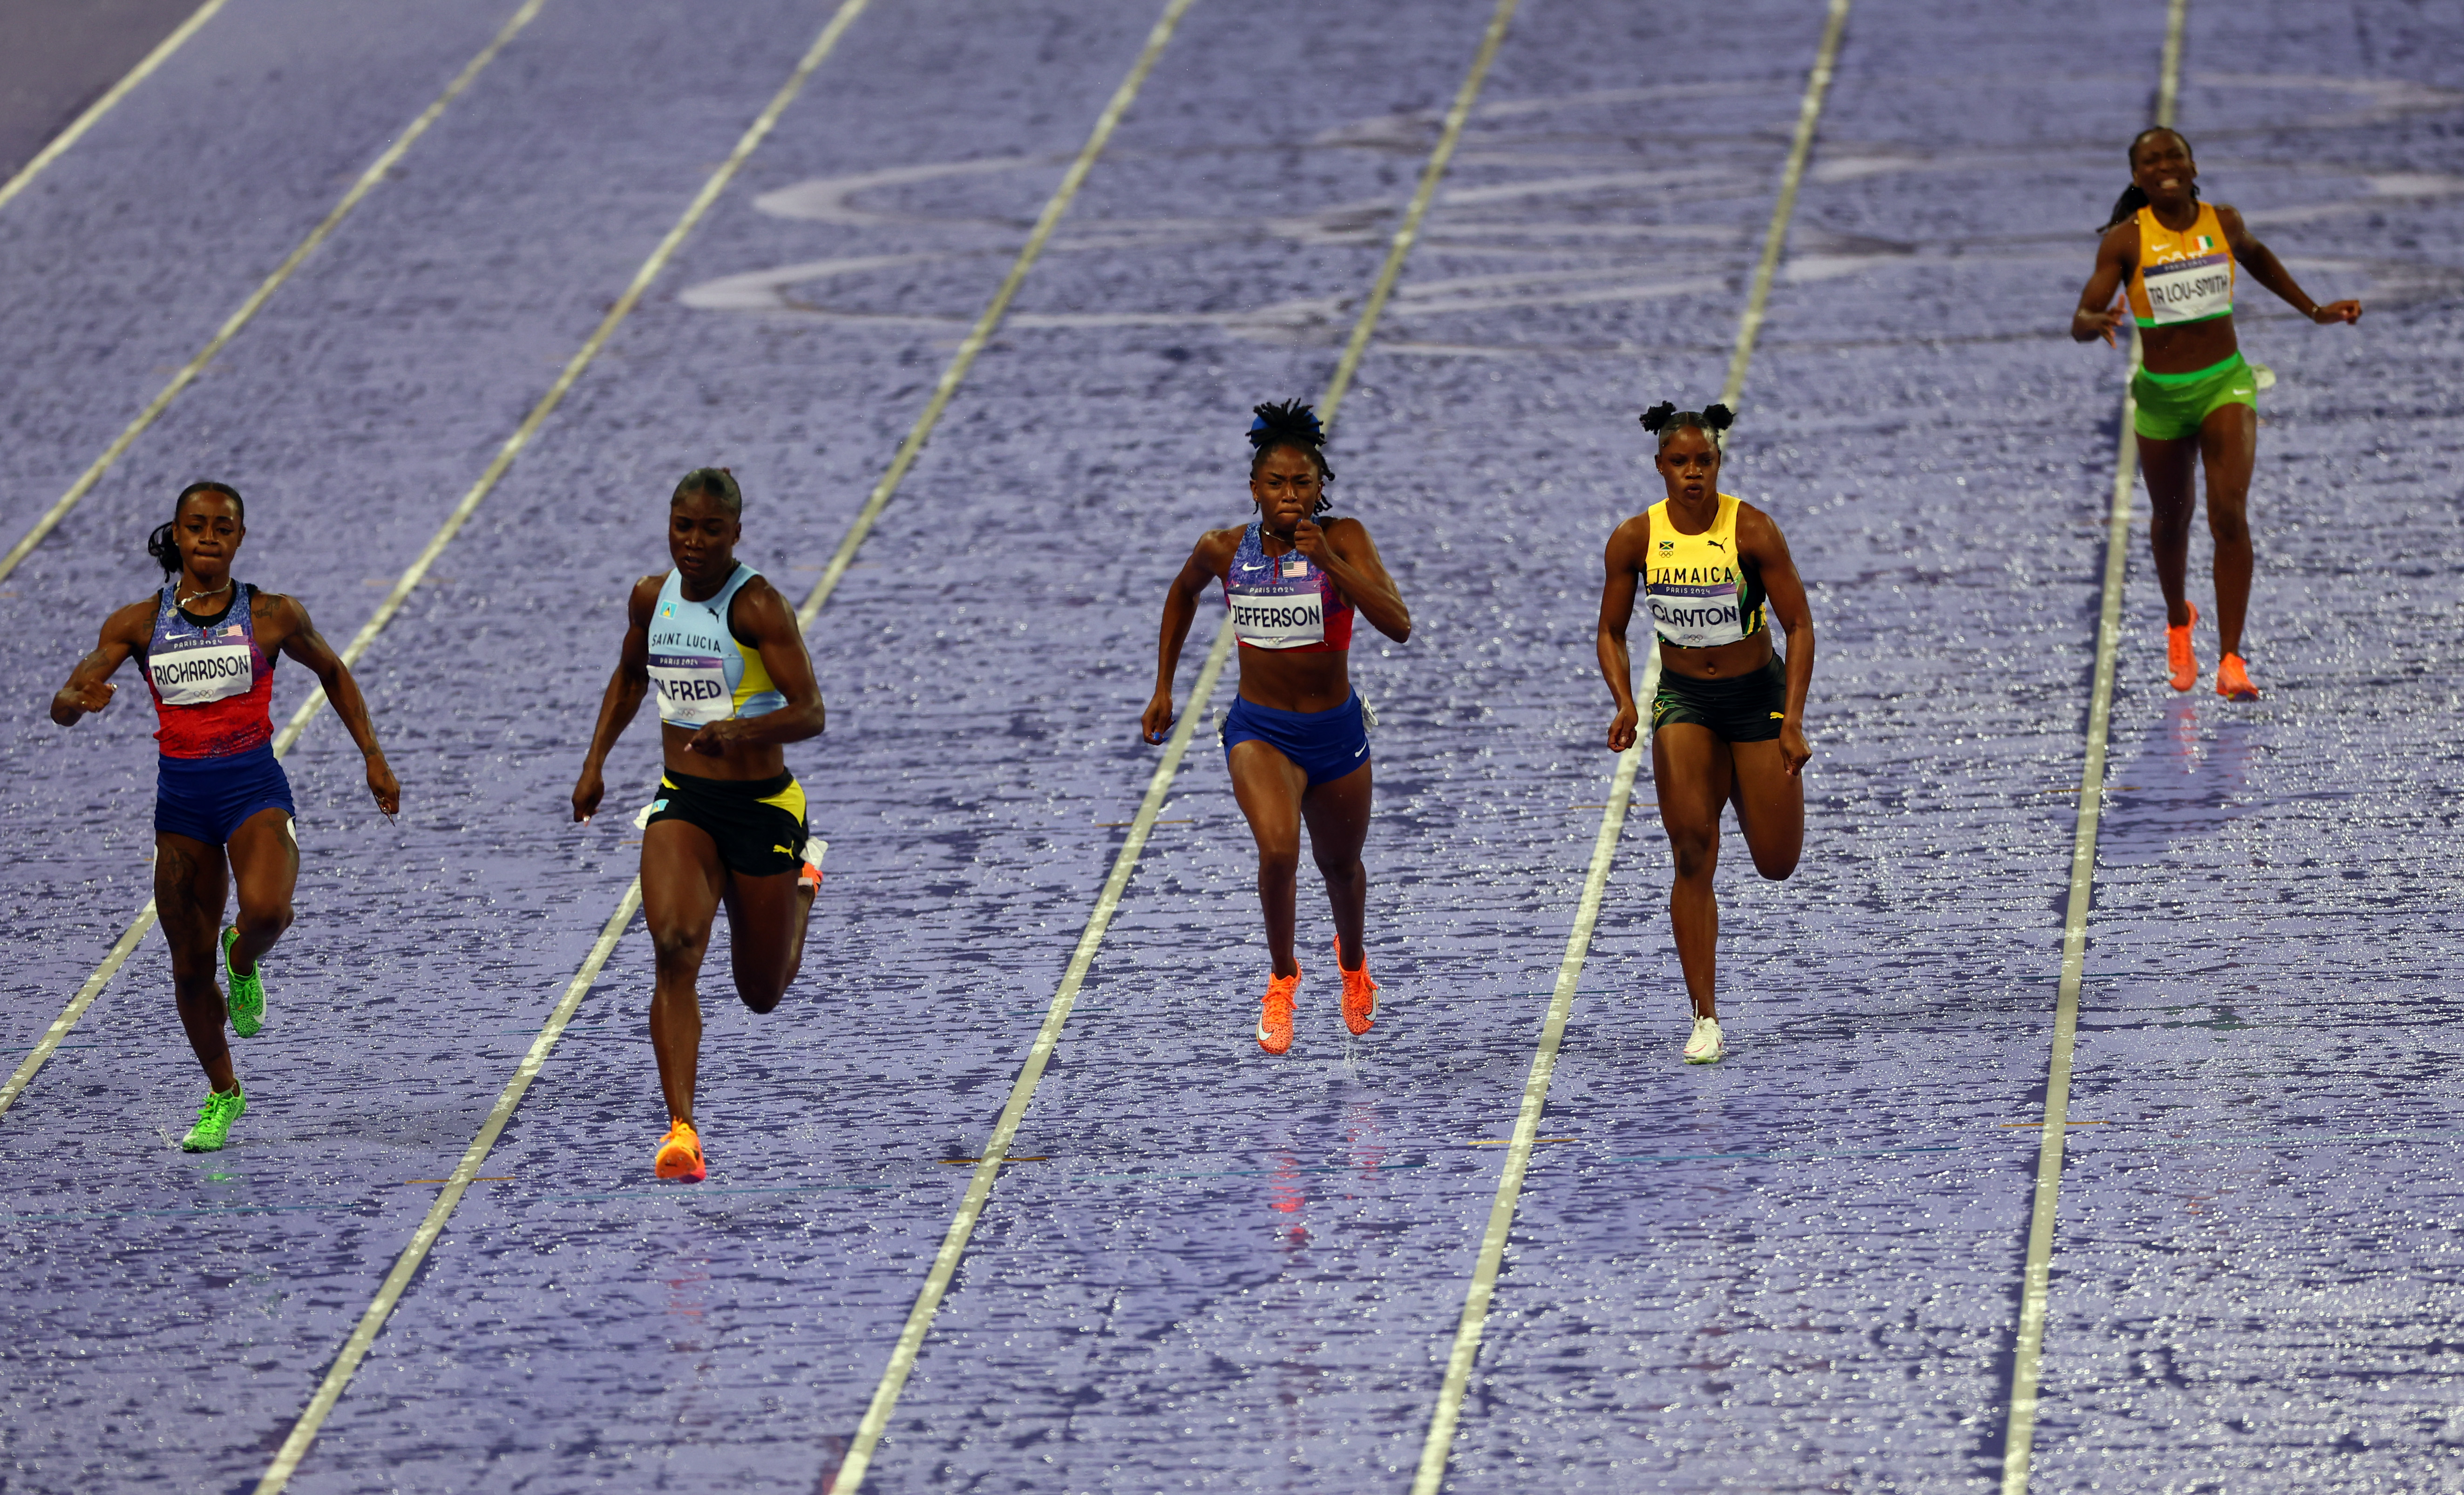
x=1296 y=738
x=723 y=651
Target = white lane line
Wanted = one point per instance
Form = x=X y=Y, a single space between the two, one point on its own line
x=1438 y=1448
x=2019 y=1437
x=410 y=579
x=121 y=950
x=355 y=1348
x=264 y=293
x=979 y=1185
x=1817 y=86
x=1054 y=208
x=60 y=142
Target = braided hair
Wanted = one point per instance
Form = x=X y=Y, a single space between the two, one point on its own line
x=2132 y=199
x=1666 y=419
x=163 y=548
x=1290 y=424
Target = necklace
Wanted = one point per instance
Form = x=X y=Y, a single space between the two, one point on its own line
x=198 y=596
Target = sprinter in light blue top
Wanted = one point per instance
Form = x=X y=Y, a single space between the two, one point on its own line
x=702 y=671
x=728 y=825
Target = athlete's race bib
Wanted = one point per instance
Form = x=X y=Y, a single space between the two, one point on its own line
x=1279 y=619
x=208 y=672
x=692 y=689
x=1701 y=616
x=2189 y=290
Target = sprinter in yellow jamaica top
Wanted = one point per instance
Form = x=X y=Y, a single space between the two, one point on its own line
x=1727 y=724
x=723 y=651
x=2173 y=258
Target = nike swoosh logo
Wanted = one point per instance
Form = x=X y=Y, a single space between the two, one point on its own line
x=1362 y=748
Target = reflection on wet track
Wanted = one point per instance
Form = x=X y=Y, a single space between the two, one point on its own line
x=1201 y=1268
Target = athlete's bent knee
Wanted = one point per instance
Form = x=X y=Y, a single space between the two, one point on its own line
x=1775 y=869
x=1280 y=865
x=2228 y=526
x=764 y=999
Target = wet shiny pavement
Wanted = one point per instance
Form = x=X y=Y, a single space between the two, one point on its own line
x=1798 y=1270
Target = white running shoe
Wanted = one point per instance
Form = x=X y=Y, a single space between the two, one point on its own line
x=1704 y=1046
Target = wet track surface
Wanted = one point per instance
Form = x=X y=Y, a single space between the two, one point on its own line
x=1798 y=1270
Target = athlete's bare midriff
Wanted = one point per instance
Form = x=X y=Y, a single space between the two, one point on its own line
x=1721 y=661
x=1295 y=680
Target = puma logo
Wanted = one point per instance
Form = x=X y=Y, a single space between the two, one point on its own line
x=1717 y=544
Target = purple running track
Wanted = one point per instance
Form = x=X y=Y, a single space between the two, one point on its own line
x=1796 y=1271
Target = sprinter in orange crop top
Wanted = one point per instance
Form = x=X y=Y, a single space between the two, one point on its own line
x=2167 y=264
x=1296 y=738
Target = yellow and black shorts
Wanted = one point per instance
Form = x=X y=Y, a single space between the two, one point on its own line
x=1746 y=709
x=758 y=822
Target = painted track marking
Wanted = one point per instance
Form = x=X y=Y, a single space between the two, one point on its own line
x=479 y=491
x=1439 y=1447
x=903 y=1355
x=264 y=292
x=355 y=1348
x=143 y=70
x=372 y=1321
x=2019 y=1437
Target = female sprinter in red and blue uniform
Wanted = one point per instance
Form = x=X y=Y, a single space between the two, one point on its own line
x=222 y=806
x=1297 y=738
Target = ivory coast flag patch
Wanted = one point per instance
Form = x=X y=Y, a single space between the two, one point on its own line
x=2206 y=241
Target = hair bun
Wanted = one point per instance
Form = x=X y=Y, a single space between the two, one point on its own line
x=1285 y=420
x=1719 y=417
x=1658 y=415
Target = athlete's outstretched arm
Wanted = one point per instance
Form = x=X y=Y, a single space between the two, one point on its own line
x=125 y=632
x=1760 y=542
x=1344 y=551
x=1622 y=562
x=2101 y=309
x=763 y=615
x=2270 y=272
x=1206 y=562
x=301 y=641
x=626 y=689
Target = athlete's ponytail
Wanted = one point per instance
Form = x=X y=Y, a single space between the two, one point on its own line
x=2132 y=199
x=1666 y=419
x=1290 y=424
x=163 y=548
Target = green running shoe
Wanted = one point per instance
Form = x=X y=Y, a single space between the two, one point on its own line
x=246 y=992
x=214 y=1120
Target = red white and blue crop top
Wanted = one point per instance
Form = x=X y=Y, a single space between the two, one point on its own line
x=1284 y=601
x=213 y=687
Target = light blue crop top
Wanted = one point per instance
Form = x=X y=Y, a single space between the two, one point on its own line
x=703 y=674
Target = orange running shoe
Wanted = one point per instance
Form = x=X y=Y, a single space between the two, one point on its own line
x=2177 y=652
x=1359 y=993
x=680 y=1154
x=2232 y=680
x=1275 y=1023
